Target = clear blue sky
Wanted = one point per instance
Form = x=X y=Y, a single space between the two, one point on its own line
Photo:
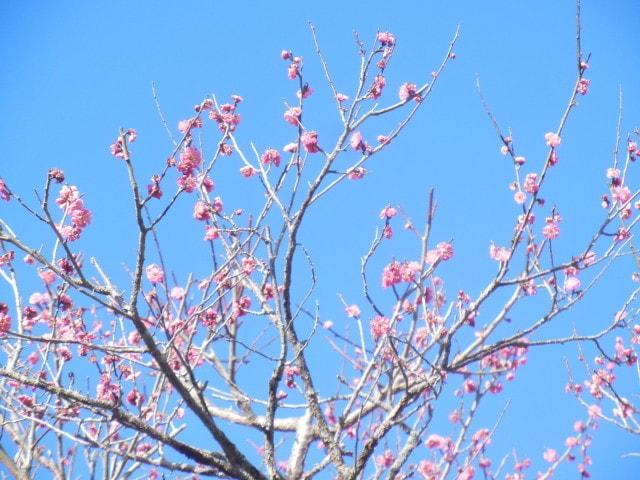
x=72 y=73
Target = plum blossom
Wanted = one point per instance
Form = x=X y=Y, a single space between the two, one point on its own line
x=380 y=326
x=271 y=156
x=388 y=212
x=247 y=171
x=550 y=455
x=445 y=250
x=4 y=191
x=356 y=173
x=499 y=254
x=583 y=86
x=552 y=139
x=572 y=283
x=353 y=311
x=551 y=230
x=341 y=97
x=201 y=211
x=357 y=143
x=309 y=141
x=376 y=88
x=290 y=147
x=293 y=115
x=407 y=92
x=386 y=39
x=155 y=274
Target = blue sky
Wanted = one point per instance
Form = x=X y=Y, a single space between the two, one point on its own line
x=74 y=72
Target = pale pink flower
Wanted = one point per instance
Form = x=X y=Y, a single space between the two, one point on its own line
x=583 y=86
x=201 y=211
x=550 y=455
x=341 y=97
x=621 y=194
x=290 y=147
x=551 y=230
x=386 y=459
x=445 y=250
x=271 y=156
x=552 y=139
x=352 y=311
x=293 y=115
x=429 y=470
x=499 y=254
x=467 y=473
x=613 y=173
x=380 y=327
x=407 y=91
x=327 y=324
x=356 y=173
x=376 y=88
x=504 y=150
x=47 y=276
x=356 y=141
x=211 y=233
x=309 y=141
x=305 y=92
x=520 y=160
x=247 y=171
x=519 y=197
x=386 y=38
x=177 y=293
x=388 y=212
x=218 y=206
x=571 y=283
x=437 y=441
x=155 y=274
x=531 y=183
x=285 y=55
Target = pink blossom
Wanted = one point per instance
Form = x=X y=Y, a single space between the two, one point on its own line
x=380 y=327
x=247 y=171
x=285 y=55
x=341 y=97
x=271 y=156
x=550 y=455
x=466 y=474
x=352 y=311
x=551 y=230
x=583 y=86
x=211 y=233
x=621 y=194
x=519 y=197
x=290 y=147
x=5 y=194
x=499 y=254
x=305 y=92
x=185 y=125
x=47 y=276
x=293 y=115
x=504 y=150
x=155 y=274
x=445 y=250
x=552 y=139
x=376 y=88
x=386 y=459
x=429 y=470
x=190 y=158
x=386 y=38
x=531 y=183
x=356 y=142
x=327 y=324
x=201 y=211
x=407 y=91
x=520 y=160
x=217 y=206
x=309 y=141
x=571 y=284
x=356 y=173
x=437 y=441
x=177 y=293
x=388 y=212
